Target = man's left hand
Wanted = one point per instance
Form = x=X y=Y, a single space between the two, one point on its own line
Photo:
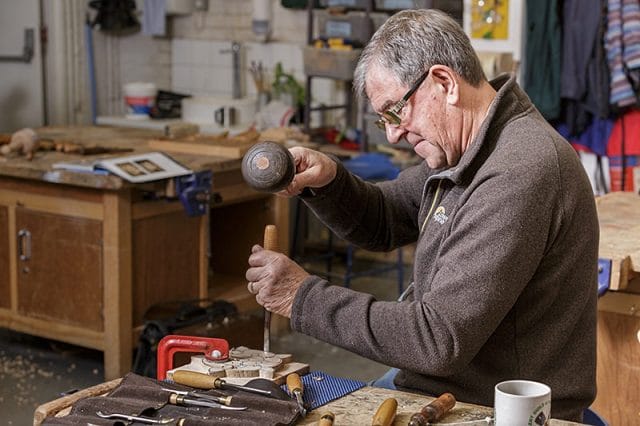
x=274 y=279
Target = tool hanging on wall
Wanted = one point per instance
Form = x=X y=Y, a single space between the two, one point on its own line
x=116 y=16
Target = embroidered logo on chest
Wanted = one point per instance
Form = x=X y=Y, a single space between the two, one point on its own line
x=440 y=215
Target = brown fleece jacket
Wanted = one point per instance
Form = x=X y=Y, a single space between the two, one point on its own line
x=505 y=268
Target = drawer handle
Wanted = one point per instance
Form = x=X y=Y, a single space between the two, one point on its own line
x=24 y=244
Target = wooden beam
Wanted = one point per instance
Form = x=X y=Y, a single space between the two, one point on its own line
x=52 y=330
x=54 y=205
x=117 y=278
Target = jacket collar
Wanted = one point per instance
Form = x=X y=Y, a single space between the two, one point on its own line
x=510 y=102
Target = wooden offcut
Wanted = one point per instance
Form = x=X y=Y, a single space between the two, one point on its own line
x=221 y=145
x=619 y=216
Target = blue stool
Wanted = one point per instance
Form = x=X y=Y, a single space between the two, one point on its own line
x=369 y=166
x=592 y=418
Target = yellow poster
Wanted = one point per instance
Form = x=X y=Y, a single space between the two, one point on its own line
x=490 y=19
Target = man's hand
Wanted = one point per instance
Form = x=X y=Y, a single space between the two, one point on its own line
x=274 y=279
x=313 y=170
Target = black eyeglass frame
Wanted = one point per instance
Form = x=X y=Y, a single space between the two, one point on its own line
x=391 y=115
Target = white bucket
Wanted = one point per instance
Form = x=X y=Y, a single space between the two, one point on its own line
x=139 y=98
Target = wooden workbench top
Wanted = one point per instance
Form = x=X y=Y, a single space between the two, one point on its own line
x=358 y=408
x=40 y=168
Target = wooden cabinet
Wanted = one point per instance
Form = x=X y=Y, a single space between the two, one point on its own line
x=82 y=265
x=59 y=268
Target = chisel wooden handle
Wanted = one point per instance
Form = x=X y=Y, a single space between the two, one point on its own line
x=386 y=413
x=326 y=419
x=194 y=379
x=294 y=383
x=270 y=243
x=270 y=238
x=434 y=411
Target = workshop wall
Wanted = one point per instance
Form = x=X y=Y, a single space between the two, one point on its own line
x=190 y=58
x=202 y=64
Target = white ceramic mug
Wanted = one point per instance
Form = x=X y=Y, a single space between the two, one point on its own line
x=522 y=403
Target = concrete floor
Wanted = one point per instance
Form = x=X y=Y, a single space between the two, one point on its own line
x=35 y=370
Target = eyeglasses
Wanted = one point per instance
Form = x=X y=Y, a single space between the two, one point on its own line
x=392 y=114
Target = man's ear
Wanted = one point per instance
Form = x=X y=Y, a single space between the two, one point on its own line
x=447 y=82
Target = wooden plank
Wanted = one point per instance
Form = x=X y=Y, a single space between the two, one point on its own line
x=46 y=203
x=117 y=281
x=204 y=254
x=221 y=148
x=52 y=330
x=618 y=380
x=62 y=406
x=13 y=258
x=5 y=274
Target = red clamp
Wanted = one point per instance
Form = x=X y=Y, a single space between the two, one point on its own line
x=212 y=348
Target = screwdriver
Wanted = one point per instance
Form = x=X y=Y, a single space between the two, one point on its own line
x=434 y=411
x=294 y=384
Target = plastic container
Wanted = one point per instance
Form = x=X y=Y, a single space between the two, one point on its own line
x=139 y=98
x=353 y=4
x=330 y=63
x=354 y=26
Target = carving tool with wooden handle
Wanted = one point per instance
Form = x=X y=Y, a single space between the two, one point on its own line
x=386 y=413
x=204 y=381
x=270 y=243
x=434 y=411
x=184 y=400
x=326 y=419
x=294 y=384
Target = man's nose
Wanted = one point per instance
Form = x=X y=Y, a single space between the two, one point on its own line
x=394 y=133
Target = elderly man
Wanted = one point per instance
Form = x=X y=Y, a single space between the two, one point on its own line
x=503 y=218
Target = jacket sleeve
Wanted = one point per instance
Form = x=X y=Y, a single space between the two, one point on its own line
x=377 y=217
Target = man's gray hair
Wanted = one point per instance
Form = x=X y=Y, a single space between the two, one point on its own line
x=411 y=41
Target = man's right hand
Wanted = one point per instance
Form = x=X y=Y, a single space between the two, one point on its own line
x=313 y=170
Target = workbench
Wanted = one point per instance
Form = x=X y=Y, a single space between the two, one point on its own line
x=618 y=399
x=356 y=408
x=83 y=255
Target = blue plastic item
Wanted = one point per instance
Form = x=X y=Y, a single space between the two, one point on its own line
x=372 y=166
x=590 y=417
x=604 y=275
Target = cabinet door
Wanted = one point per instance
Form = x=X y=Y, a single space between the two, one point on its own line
x=60 y=268
x=5 y=283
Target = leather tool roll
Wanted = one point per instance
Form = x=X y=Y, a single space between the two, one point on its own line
x=144 y=396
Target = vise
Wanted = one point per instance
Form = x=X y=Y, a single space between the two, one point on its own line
x=194 y=192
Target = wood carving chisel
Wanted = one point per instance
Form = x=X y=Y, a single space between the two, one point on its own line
x=294 y=384
x=177 y=399
x=386 y=413
x=224 y=400
x=326 y=419
x=204 y=381
x=434 y=411
x=270 y=243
